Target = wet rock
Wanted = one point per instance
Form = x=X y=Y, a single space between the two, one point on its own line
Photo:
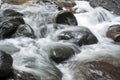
x=77 y=35
x=60 y=17
x=95 y=70
x=17 y=21
x=65 y=17
x=5 y=64
x=20 y=75
x=111 y=5
x=11 y=13
x=9 y=27
x=24 y=30
x=59 y=52
x=114 y=32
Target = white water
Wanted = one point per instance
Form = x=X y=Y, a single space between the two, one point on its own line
x=29 y=54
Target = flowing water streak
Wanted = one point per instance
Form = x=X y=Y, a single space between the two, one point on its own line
x=29 y=55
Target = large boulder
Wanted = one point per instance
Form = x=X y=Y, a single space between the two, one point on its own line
x=111 y=5
x=5 y=64
x=76 y=35
x=60 y=52
x=95 y=70
x=114 y=32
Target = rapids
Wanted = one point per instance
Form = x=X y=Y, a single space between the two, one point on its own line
x=30 y=55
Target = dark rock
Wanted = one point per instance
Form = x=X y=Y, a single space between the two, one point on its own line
x=24 y=30
x=111 y=5
x=60 y=52
x=95 y=70
x=114 y=32
x=20 y=75
x=65 y=17
x=5 y=64
x=60 y=17
x=77 y=35
x=9 y=27
x=11 y=13
x=17 y=21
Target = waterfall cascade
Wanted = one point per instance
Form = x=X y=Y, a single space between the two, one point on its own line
x=32 y=55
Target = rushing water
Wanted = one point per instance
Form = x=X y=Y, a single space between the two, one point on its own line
x=30 y=55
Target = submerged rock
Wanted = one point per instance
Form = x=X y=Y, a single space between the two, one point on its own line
x=5 y=64
x=114 y=32
x=111 y=5
x=77 y=35
x=59 y=52
x=24 y=30
x=20 y=75
x=95 y=70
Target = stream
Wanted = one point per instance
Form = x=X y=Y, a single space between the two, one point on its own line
x=31 y=55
